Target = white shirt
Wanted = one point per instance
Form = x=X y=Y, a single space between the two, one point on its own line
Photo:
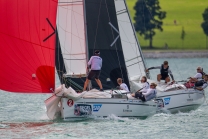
x=198 y=76
x=95 y=62
x=123 y=86
x=145 y=86
x=151 y=93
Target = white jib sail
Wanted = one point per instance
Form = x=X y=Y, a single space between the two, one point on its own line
x=71 y=33
x=131 y=49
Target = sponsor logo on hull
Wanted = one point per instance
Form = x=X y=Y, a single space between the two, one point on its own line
x=82 y=110
x=96 y=107
x=166 y=100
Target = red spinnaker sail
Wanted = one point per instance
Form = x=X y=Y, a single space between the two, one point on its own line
x=27 y=45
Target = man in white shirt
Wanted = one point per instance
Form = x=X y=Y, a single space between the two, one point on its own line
x=122 y=85
x=96 y=64
x=198 y=75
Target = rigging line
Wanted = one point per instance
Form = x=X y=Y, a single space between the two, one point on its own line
x=97 y=26
x=178 y=70
x=145 y=31
x=115 y=43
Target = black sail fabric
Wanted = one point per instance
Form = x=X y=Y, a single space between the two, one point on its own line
x=100 y=35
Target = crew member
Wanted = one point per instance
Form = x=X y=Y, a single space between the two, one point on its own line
x=148 y=94
x=122 y=85
x=96 y=63
x=198 y=75
x=164 y=71
x=145 y=85
x=204 y=83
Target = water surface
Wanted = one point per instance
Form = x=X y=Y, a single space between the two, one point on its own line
x=23 y=116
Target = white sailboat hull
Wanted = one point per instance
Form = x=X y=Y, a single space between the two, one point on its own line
x=103 y=107
x=181 y=100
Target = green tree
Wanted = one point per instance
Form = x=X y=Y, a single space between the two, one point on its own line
x=204 y=25
x=148 y=17
x=183 y=34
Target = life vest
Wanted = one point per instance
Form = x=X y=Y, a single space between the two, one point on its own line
x=164 y=72
x=203 y=74
x=200 y=83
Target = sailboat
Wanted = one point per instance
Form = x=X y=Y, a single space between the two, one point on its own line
x=41 y=38
x=82 y=27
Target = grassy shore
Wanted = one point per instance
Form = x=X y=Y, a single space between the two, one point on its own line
x=188 y=14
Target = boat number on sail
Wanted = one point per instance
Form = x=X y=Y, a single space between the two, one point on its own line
x=82 y=109
x=96 y=107
x=167 y=100
x=70 y=102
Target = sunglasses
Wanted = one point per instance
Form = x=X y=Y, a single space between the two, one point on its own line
x=197 y=69
x=151 y=85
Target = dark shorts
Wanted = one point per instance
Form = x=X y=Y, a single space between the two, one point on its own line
x=164 y=77
x=140 y=96
x=93 y=74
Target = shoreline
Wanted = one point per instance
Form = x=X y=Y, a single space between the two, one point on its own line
x=175 y=53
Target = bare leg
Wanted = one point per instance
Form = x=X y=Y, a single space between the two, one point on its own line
x=167 y=79
x=99 y=83
x=159 y=77
x=85 y=84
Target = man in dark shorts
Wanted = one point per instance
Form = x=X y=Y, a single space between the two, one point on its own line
x=164 y=71
x=96 y=63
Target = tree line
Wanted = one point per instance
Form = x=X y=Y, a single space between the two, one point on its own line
x=149 y=17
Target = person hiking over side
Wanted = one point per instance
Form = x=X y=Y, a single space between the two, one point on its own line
x=164 y=71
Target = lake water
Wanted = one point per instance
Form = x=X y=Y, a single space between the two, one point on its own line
x=22 y=116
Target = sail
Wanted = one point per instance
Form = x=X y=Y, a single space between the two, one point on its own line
x=77 y=42
x=102 y=34
x=71 y=42
x=27 y=38
x=132 y=52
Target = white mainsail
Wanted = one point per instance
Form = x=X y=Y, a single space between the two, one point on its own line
x=71 y=33
x=132 y=53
